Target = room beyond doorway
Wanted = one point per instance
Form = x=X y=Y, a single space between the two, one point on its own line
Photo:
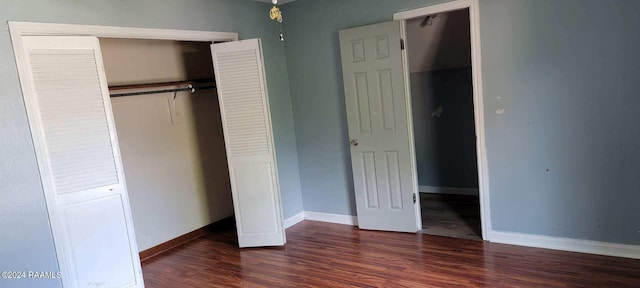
x=441 y=84
x=448 y=215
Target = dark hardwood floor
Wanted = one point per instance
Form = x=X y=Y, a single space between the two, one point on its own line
x=330 y=255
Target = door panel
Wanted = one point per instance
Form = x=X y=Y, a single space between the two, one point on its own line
x=77 y=149
x=386 y=92
x=102 y=243
x=370 y=178
x=250 y=195
x=378 y=129
x=246 y=121
x=392 y=162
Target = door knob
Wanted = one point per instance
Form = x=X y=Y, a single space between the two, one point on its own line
x=354 y=142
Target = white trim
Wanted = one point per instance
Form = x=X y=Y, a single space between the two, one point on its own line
x=478 y=99
x=293 y=220
x=412 y=148
x=321 y=217
x=566 y=244
x=449 y=190
x=439 y=8
x=331 y=218
x=54 y=29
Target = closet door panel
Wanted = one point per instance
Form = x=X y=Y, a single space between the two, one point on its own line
x=77 y=150
x=73 y=118
x=97 y=232
x=246 y=120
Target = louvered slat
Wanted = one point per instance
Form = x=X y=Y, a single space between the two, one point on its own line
x=242 y=98
x=74 y=119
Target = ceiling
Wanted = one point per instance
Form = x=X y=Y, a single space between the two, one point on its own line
x=279 y=1
x=443 y=44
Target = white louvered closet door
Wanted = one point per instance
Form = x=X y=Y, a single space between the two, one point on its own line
x=246 y=120
x=77 y=150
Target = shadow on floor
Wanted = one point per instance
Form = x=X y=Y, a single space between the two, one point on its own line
x=455 y=216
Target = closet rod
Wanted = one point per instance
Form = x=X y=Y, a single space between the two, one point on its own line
x=190 y=88
x=160 y=84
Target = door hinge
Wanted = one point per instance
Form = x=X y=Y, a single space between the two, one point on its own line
x=414 y=198
x=401 y=44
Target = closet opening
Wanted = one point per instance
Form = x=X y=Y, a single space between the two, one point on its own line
x=169 y=127
x=442 y=103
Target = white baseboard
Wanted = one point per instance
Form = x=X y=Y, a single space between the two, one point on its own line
x=449 y=190
x=331 y=218
x=322 y=217
x=293 y=220
x=566 y=244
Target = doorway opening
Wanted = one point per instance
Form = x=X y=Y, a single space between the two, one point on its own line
x=171 y=142
x=439 y=56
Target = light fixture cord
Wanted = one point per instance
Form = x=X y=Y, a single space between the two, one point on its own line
x=276 y=15
x=281 y=33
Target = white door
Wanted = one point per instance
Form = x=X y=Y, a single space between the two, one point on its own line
x=246 y=120
x=378 y=127
x=75 y=139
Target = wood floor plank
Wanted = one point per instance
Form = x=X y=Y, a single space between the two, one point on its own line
x=330 y=255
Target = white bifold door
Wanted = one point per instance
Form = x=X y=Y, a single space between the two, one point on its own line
x=71 y=119
x=378 y=120
x=75 y=139
x=246 y=121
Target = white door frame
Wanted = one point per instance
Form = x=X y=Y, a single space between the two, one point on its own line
x=20 y=29
x=478 y=104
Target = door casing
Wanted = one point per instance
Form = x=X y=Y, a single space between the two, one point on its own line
x=478 y=103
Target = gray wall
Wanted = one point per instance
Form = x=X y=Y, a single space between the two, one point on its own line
x=445 y=144
x=563 y=157
x=25 y=236
x=315 y=73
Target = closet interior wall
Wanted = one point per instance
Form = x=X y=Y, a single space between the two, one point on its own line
x=172 y=144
